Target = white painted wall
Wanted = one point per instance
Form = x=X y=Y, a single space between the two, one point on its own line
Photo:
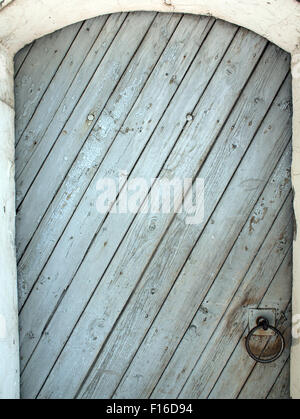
x=9 y=344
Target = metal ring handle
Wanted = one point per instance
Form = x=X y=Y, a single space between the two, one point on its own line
x=264 y=324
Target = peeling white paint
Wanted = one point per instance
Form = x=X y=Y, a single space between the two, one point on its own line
x=3 y=328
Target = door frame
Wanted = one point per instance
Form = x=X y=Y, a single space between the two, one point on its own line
x=23 y=21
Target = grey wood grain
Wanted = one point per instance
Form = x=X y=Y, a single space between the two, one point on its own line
x=32 y=82
x=194 y=279
x=247 y=379
x=153 y=91
x=178 y=242
x=144 y=305
x=281 y=388
x=213 y=359
x=213 y=306
x=61 y=97
x=137 y=251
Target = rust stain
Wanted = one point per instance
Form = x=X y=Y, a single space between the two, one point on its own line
x=255 y=220
x=265 y=347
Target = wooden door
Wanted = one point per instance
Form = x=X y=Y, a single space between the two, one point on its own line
x=145 y=305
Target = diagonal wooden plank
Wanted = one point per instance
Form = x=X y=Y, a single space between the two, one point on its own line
x=281 y=388
x=241 y=371
x=112 y=153
x=261 y=379
x=231 y=274
x=78 y=127
x=82 y=47
x=20 y=58
x=162 y=271
x=234 y=323
x=159 y=145
x=89 y=158
x=175 y=60
x=29 y=93
x=262 y=376
x=62 y=100
x=195 y=279
x=134 y=255
x=135 y=231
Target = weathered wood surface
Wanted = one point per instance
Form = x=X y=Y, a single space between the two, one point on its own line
x=281 y=387
x=145 y=305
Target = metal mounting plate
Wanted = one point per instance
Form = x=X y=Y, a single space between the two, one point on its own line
x=268 y=313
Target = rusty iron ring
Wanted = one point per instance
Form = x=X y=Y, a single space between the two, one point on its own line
x=264 y=324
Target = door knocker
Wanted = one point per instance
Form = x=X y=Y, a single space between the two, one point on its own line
x=263 y=323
